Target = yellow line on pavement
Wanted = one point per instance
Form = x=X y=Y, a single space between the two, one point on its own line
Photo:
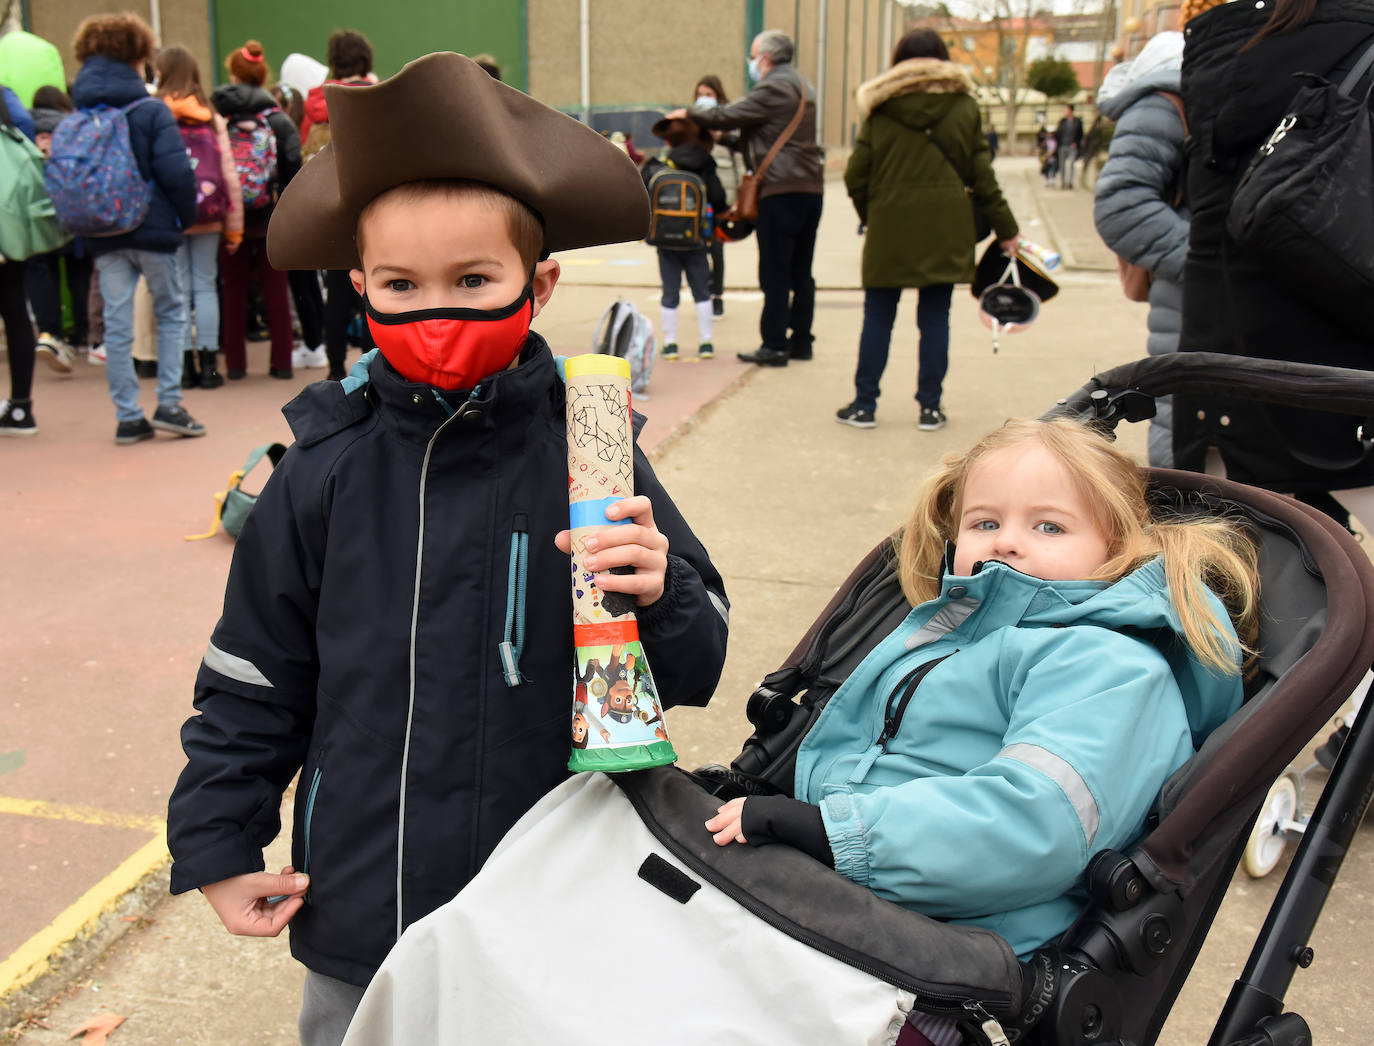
x=78 y=814
x=33 y=958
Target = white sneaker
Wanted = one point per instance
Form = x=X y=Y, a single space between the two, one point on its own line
x=97 y=354
x=55 y=353
x=298 y=357
x=314 y=359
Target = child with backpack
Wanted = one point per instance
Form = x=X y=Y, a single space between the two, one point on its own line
x=118 y=175
x=267 y=155
x=680 y=192
x=350 y=65
x=219 y=210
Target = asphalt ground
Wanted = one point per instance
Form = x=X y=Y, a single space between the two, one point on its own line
x=108 y=610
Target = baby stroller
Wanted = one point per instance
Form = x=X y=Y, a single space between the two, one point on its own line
x=1112 y=977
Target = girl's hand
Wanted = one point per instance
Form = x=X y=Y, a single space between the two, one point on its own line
x=728 y=825
x=638 y=544
x=242 y=902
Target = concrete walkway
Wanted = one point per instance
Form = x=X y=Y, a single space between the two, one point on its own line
x=109 y=610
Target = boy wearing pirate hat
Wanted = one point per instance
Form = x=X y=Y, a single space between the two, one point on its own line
x=396 y=622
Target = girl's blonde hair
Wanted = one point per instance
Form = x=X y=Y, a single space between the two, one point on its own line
x=1200 y=552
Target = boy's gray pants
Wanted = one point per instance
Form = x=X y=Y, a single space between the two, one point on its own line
x=327 y=1005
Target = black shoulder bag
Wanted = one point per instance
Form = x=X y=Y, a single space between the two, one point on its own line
x=1305 y=205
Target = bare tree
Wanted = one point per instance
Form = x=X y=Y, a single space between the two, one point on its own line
x=12 y=17
x=1012 y=22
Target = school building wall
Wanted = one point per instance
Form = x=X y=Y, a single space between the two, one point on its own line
x=641 y=56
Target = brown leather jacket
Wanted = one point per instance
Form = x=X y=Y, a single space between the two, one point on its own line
x=761 y=116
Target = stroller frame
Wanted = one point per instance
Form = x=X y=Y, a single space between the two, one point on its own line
x=1150 y=910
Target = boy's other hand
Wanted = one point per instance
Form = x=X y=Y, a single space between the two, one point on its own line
x=728 y=825
x=638 y=544
x=242 y=904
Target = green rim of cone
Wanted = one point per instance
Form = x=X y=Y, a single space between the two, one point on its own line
x=618 y=760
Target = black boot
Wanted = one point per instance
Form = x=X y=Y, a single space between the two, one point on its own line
x=209 y=375
x=189 y=377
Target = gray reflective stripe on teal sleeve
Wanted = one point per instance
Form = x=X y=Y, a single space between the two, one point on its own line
x=234 y=667
x=1058 y=770
x=945 y=620
x=720 y=606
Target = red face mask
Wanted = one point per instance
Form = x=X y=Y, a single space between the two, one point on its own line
x=452 y=348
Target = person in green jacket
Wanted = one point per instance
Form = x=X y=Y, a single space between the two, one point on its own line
x=919 y=168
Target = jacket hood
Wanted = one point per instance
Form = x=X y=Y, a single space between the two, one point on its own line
x=1158 y=67
x=915 y=75
x=103 y=81
x=316 y=108
x=1138 y=605
x=45 y=120
x=188 y=109
x=238 y=99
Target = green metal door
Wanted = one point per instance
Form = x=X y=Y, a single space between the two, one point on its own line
x=399 y=31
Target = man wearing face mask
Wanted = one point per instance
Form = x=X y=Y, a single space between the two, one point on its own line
x=789 y=194
x=397 y=622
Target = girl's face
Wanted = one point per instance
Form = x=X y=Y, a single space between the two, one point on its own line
x=704 y=91
x=1021 y=507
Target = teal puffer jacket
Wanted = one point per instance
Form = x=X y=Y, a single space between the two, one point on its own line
x=1043 y=736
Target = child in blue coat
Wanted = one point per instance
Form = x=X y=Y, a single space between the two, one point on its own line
x=1067 y=652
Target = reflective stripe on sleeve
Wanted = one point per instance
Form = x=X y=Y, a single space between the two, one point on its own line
x=1058 y=770
x=720 y=606
x=234 y=667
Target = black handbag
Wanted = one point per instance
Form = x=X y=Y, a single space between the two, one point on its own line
x=1305 y=204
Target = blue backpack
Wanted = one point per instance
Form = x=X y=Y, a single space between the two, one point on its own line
x=92 y=175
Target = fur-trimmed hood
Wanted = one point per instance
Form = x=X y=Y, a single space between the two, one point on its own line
x=915 y=75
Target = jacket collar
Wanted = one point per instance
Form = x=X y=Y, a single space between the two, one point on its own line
x=103 y=81
x=414 y=411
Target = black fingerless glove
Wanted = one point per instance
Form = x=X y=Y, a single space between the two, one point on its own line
x=782 y=819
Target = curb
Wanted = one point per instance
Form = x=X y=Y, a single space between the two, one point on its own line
x=51 y=959
x=1061 y=244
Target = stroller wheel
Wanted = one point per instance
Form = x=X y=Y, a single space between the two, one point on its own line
x=1269 y=838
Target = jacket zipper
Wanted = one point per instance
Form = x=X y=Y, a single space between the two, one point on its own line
x=410 y=700
x=897 y=703
x=514 y=642
x=310 y=812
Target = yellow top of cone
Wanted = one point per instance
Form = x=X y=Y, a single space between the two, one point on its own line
x=596 y=363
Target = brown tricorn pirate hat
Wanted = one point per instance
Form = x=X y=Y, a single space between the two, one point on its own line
x=443 y=116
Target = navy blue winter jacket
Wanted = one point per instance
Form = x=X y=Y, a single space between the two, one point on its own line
x=368 y=598
x=158 y=149
x=19 y=116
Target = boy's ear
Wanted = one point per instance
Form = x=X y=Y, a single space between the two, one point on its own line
x=546 y=275
x=359 y=283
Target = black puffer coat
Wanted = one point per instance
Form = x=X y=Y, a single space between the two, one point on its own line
x=360 y=644
x=1236 y=304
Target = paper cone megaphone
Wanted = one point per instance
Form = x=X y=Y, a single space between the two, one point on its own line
x=617 y=718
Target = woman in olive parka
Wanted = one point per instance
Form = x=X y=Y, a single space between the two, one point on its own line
x=919 y=166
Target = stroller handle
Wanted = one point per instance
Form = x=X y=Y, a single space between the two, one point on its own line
x=1338 y=390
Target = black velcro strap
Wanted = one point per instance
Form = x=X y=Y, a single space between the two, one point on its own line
x=675 y=883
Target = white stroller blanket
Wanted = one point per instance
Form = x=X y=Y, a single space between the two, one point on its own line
x=583 y=929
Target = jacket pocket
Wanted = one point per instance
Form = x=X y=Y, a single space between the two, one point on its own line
x=516 y=576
